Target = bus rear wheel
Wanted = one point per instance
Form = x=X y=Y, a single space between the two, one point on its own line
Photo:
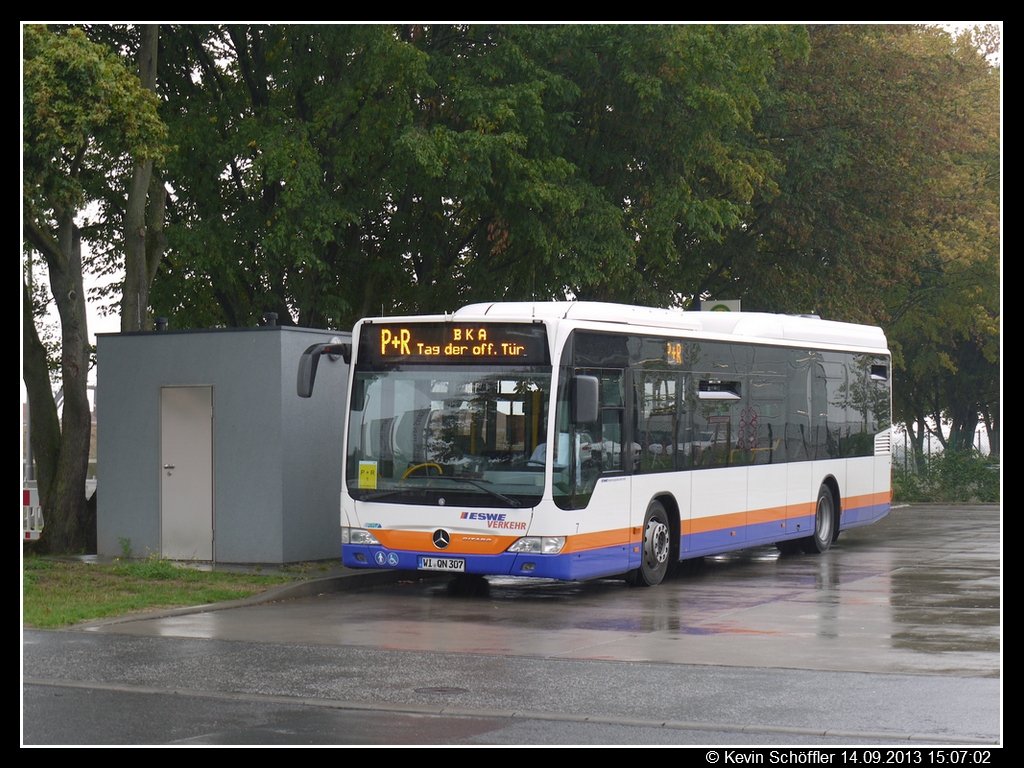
x=657 y=546
x=824 y=524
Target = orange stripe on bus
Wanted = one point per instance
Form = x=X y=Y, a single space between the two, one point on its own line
x=480 y=543
x=771 y=514
x=738 y=520
x=599 y=539
x=717 y=523
x=867 y=500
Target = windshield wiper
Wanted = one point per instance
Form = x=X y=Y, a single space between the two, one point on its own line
x=480 y=484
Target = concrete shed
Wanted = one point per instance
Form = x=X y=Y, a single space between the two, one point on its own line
x=205 y=452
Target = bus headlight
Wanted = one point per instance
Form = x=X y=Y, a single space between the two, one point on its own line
x=358 y=536
x=538 y=545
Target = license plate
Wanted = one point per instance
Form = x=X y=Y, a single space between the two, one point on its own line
x=441 y=564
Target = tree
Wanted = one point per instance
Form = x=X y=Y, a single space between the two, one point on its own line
x=83 y=113
x=283 y=178
x=945 y=320
x=336 y=169
x=328 y=173
x=144 y=241
x=854 y=129
x=665 y=136
x=884 y=209
x=579 y=161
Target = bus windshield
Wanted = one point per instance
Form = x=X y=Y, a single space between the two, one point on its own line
x=467 y=435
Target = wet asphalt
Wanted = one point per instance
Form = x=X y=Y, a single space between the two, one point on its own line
x=892 y=636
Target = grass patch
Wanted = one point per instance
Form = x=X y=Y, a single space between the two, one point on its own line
x=58 y=593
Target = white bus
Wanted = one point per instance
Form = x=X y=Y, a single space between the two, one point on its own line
x=576 y=440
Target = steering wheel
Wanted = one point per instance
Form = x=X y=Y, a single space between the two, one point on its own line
x=424 y=465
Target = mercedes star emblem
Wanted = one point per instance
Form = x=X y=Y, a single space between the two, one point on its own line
x=441 y=538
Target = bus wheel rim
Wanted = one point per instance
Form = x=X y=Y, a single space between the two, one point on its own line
x=656 y=542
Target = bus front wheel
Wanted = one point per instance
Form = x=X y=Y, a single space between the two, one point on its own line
x=657 y=545
x=824 y=524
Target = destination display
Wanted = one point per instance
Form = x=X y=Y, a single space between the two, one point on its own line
x=454 y=343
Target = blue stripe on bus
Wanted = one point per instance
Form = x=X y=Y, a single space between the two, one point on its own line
x=864 y=515
x=607 y=561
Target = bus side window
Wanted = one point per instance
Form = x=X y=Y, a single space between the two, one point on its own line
x=610 y=445
x=586 y=451
x=657 y=416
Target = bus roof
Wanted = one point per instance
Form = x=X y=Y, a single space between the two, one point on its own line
x=760 y=326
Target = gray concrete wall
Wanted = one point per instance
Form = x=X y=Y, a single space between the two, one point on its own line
x=128 y=443
x=277 y=457
x=311 y=456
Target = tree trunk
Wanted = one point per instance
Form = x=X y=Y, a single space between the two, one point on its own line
x=917 y=442
x=991 y=417
x=144 y=241
x=45 y=429
x=62 y=467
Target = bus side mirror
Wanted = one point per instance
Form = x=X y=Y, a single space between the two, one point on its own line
x=585 y=392
x=310 y=360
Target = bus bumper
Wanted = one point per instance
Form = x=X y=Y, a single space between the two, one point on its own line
x=569 y=566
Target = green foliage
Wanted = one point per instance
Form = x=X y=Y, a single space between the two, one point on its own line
x=945 y=317
x=952 y=477
x=83 y=114
x=861 y=128
x=154 y=568
x=284 y=180
x=332 y=172
x=336 y=169
x=663 y=140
